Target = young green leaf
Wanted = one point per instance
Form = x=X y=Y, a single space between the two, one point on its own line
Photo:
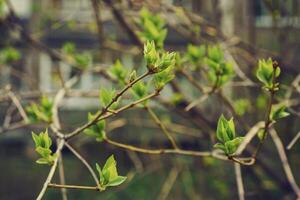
x=232 y=145
x=97 y=130
x=43 y=143
x=277 y=112
x=106 y=97
x=139 y=90
x=109 y=174
x=118 y=72
x=195 y=54
x=266 y=72
x=40 y=112
x=225 y=129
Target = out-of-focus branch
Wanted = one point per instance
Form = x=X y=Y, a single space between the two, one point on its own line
x=239 y=181
x=285 y=163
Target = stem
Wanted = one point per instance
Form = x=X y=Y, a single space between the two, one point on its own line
x=104 y=110
x=239 y=181
x=88 y=166
x=52 y=170
x=162 y=126
x=80 y=187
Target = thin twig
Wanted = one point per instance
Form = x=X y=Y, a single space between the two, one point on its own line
x=62 y=178
x=294 y=140
x=168 y=184
x=80 y=187
x=162 y=126
x=88 y=166
x=104 y=110
x=16 y=101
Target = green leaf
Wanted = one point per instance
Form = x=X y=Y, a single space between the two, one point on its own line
x=40 y=112
x=118 y=72
x=150 y=55
x=153 y=28
x=167 y=60
x=132 y=76
x=215 y=53
x=36 y=139
x=195 y=53
x=225 y=129
x=109 y=175
x=162 y=78
x=117 y=181
x=139 y=90
x=265 y=72
x=277 y=112
x=220 y=146
x=42 y=161
x=97 y=130
x=44 y=152
x=106 y=97
x=232 y=145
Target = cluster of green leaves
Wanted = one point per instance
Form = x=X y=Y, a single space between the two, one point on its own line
x=195 y=54
x=97 y=130
x=80 y=60
x=42 y=146
x=106 y=97
x=160 y=63
x=153 y=28
x=228 y=142
x=40 y=112
x=267 y=73
x=118 y=72
x=9 y=55
x=109 y=174
x=219 y=70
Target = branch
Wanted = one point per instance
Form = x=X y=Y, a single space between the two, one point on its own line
x=80 y=187
x=239 y=181
x=168 y=184
x=52 y=170
x=104 y=110
x=162 y=126
x=285 y=164
x=88 y=166
x=294 y=140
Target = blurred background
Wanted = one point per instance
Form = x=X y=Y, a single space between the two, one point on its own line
x=251 y=28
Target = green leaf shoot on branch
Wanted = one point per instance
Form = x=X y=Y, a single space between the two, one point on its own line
x=106 y=96
x=153 y=28
x=108 y=175
x=156 y=61
x=81 y=60
x=277 y=112
x=227 y=137
x=42 y=146
x=40 y=112
x=118 y=72
x=195 y=54
x=97 y=130
x=219 y=71
x=267 y=73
